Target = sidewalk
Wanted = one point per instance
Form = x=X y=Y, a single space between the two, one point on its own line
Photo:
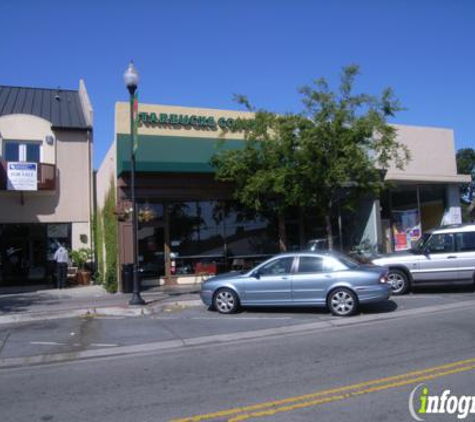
x=47 y=304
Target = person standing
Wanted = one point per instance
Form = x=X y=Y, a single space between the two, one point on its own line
x=61 y=256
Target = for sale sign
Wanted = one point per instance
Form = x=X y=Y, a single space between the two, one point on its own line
x=22 y=176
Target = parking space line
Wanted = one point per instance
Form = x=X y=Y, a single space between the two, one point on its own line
x=108 y=317
x=103 y=345
x=55 y=343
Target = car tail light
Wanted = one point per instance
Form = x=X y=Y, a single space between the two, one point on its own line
x=384 y=278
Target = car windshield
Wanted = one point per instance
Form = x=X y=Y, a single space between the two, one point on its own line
x=420 y=244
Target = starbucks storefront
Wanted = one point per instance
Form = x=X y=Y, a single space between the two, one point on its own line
x=189 y=224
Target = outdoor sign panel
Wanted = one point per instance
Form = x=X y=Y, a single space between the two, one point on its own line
x=22 y=176
x=453 y=216
x=406 y=229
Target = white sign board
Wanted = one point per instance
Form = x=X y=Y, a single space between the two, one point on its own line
x=22 y=176
x=453 y=216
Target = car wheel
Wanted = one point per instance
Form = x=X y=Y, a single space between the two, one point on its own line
x=226 y=301
x=398 y=281
x=342 y=302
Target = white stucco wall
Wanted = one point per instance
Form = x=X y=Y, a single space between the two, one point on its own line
x=432 y=156
x=106 y=173
x=70 y=202
x=80 y=232
x=23 y=127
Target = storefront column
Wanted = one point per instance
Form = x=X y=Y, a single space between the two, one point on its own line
x=167 y=248
x=379 y=225
x=453 y=210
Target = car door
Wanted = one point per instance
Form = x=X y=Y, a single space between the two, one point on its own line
x=439 y=260
x=270 y=284
x=465 y=242
x=310 y=281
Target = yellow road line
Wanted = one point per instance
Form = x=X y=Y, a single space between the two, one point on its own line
x=272 y=412
x=359 y=386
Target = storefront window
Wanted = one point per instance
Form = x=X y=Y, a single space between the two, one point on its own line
x=149 y=212
x=248 y=233
x=151 y=241
x=58 y=233
x=411 y=210
x=432 y=200
x=215 y=236
x=26 y=251
x=405 y=218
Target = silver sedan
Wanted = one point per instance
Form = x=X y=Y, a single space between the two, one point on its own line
x=299 y=279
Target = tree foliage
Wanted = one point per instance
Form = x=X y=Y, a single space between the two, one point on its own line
x=465 y=160
x=466 y=165
x=98 y=233
x=110 y=241
x=339 y=140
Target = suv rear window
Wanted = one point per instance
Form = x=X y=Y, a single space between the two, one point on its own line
x=465 y=241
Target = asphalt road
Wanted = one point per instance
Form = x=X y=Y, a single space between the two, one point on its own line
x=374 y=366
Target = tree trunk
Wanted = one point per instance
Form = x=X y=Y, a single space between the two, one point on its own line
x=301 y=228
x=282 y=233
x=328 y=222
x=470 y=208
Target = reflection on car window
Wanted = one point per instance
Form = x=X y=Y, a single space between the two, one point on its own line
x=441 y=243
x=341 y=264
x=277 y=266
x=310 y=264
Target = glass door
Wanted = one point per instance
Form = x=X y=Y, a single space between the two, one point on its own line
x=151 y=240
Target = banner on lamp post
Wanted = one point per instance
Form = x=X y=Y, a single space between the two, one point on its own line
x=135 y=122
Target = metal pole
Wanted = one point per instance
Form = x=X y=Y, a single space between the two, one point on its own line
x=136 y=299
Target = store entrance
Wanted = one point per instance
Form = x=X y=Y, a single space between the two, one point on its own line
x=151 y=240
x=23 y=254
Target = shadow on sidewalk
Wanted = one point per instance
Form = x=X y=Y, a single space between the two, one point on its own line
x=24 y=302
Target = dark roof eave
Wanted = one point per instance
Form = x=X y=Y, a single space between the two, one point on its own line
x=83 y=128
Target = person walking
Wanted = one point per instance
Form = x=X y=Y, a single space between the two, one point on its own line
x=61 y=256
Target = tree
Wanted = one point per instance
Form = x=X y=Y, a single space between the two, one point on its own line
x=466 y=165
x=465 y=160
x=340 y=140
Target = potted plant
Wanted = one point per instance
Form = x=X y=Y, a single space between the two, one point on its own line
x=80 y=258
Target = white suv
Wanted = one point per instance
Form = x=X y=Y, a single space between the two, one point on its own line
x=445 y=254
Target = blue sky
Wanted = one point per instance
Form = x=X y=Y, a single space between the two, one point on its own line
x=199 y=53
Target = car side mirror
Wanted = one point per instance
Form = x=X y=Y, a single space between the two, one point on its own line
x=256 y=274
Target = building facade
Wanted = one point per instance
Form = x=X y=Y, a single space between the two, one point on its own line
x=45 y=179
x=189 y=224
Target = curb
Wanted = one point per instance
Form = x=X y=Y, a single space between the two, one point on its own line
x=125 y=311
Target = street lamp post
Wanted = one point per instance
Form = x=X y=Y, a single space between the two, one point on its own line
x=131 y=79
